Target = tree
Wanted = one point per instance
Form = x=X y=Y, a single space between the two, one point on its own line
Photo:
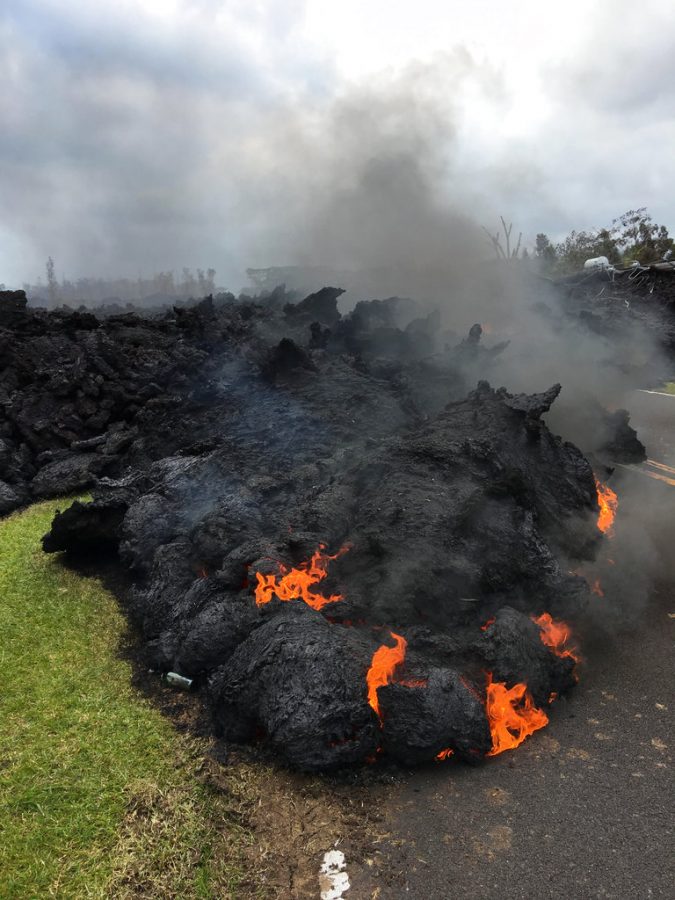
x=544 y=251
x=189 y=285
x=640 y=238
x=52 y=284
x=211 y=280
x=631 y=237
x=496 y=241
x=579 y=246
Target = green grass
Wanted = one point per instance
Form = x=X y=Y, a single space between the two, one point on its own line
x=99 y=796
x=669 y=387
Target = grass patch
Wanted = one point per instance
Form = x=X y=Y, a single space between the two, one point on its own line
x=669 y=387
x=99 y=796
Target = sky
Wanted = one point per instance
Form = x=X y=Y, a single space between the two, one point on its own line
x=148 y=135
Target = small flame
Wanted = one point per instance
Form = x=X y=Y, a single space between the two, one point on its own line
x=487 y=624
x=444 y=754
x=608 y=503
x=414 y=682
x=597 y=588
x=556 y=635
x=385 y=661
x=295 y=584
x=512 y=715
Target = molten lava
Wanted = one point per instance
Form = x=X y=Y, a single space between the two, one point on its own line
x=512 y=715
x=608 y=503
x=444 y=754
x=296 y=584
x=414 y=682
x=556 y=635
x=384 y=663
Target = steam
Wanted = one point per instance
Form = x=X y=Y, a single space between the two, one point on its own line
x=140 y=137
x=372 y=182
x=383 y=202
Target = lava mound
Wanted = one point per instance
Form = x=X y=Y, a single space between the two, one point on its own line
x=348 y=551
x=412 y=549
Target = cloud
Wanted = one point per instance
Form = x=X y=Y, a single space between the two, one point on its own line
x=626 y=65
x=111 y=123
x=140 y=136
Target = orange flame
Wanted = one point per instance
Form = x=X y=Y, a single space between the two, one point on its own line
x=608 y=503
x=556 y=635
x=512 y=715
x=444 y=754
x=414 y=682
x=597 y=588
x=295 y=584
x=384 y=662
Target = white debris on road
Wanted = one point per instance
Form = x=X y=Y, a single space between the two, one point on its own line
x=333 y=877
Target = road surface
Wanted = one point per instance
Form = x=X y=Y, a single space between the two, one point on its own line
x=584 y=808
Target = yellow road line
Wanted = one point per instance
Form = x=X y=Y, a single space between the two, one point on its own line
x=662 y=466
x=654 y=475
x=656 y=393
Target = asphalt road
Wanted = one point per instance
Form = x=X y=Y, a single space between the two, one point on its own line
x=584 y=808
x=653 y=415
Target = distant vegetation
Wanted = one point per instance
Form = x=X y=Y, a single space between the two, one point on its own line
x=633 y=237
x=161 y=288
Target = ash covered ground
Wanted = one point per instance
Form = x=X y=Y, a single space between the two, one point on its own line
x=244 y=454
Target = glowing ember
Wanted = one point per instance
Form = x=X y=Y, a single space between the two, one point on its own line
x=385 y=661
x=487 y=624
x=608 y=503
x=556 y=636
x=296 y=584
x=444 y=754
x=597 y=588
x=512 y=715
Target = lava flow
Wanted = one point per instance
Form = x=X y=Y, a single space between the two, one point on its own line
x=296 y=583
x=608 y=503
x=512 y=715
x=385 y=661
x=556 y=635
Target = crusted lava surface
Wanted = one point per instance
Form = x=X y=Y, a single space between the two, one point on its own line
x=228 y=442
